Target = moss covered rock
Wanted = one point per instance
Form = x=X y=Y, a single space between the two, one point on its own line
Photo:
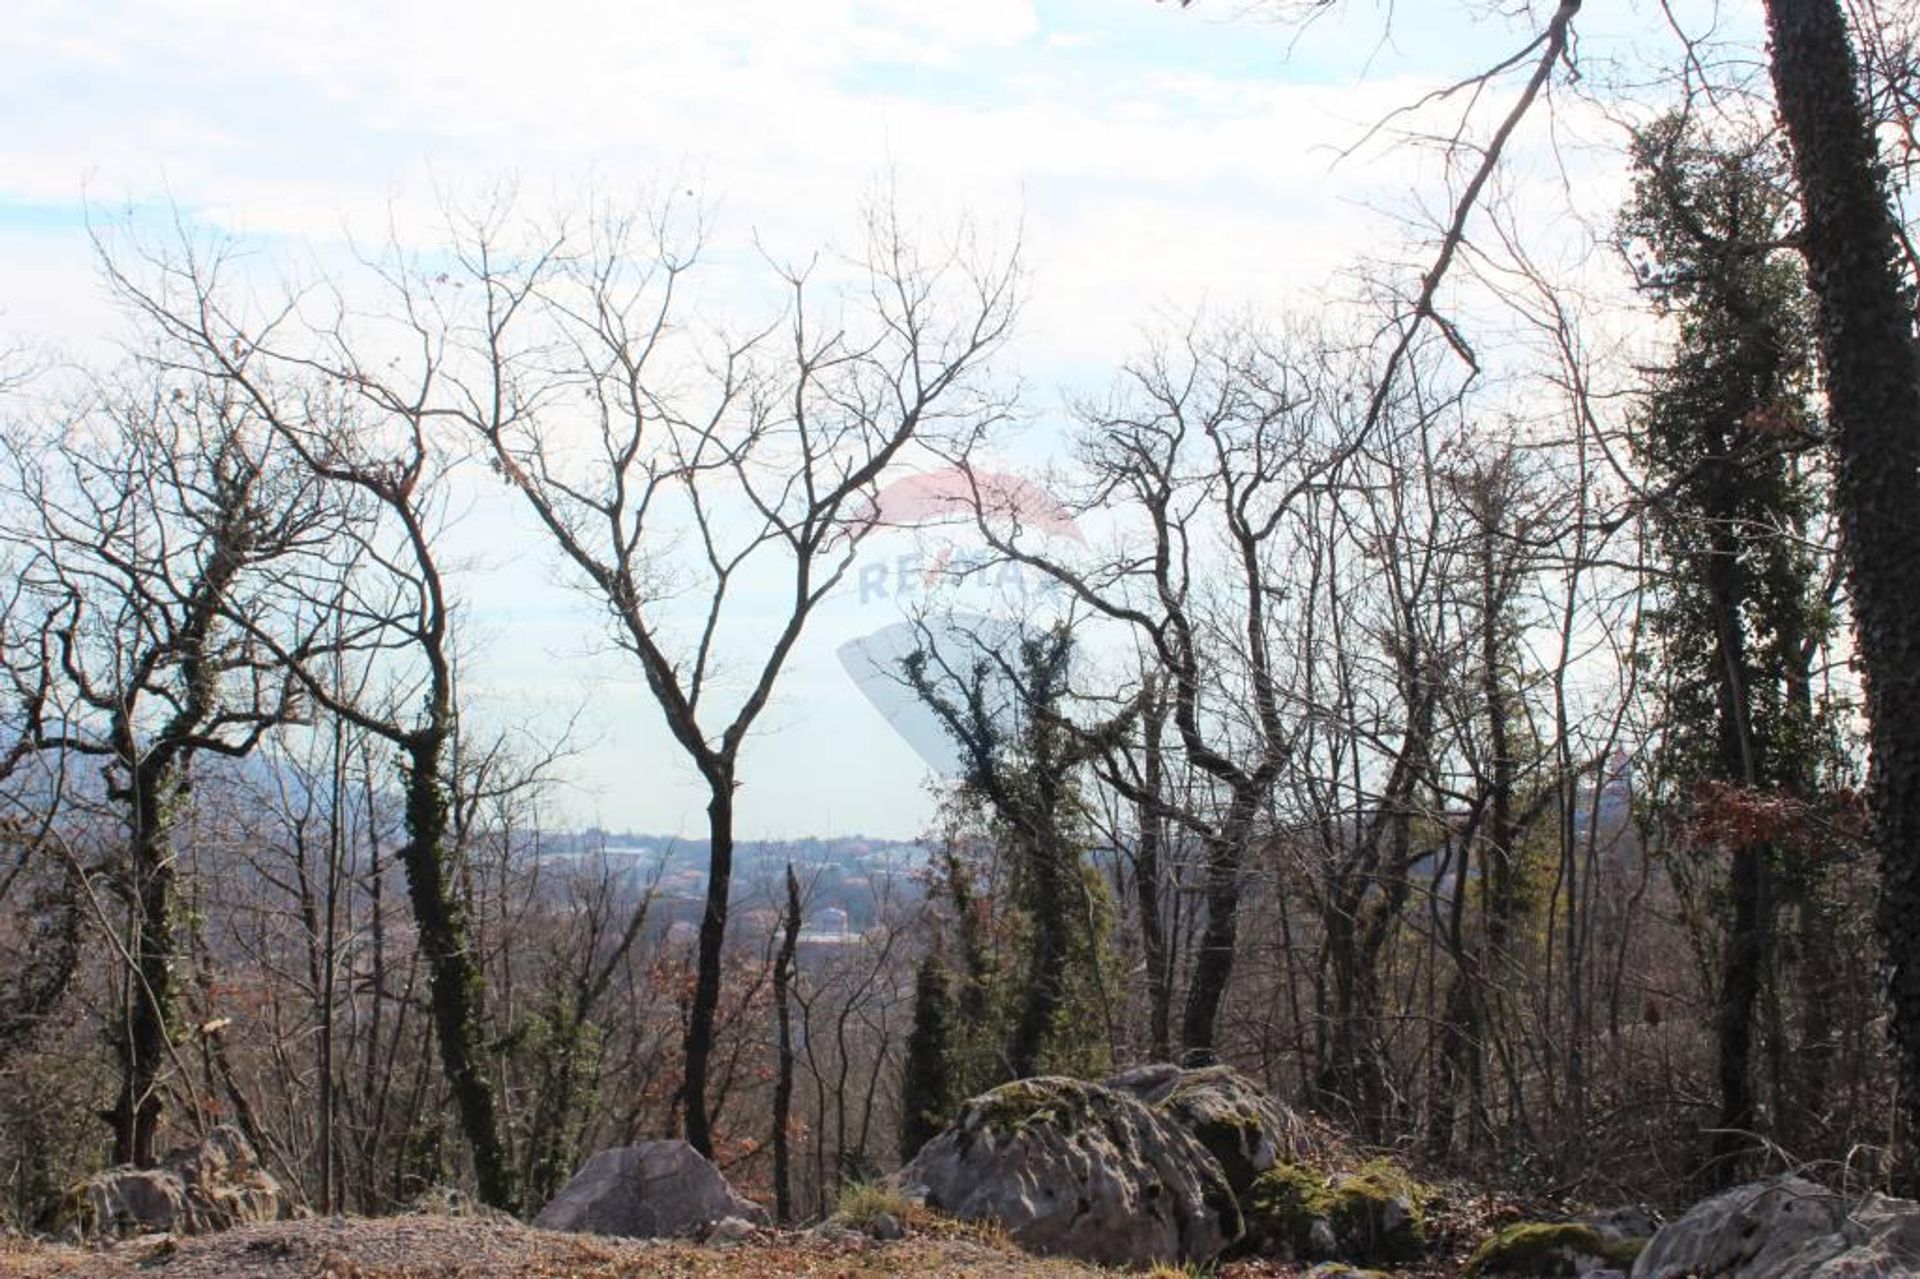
x=1552 y=1248
x=1370 y=1215
x=1227 y=1113
x=1073 y=1168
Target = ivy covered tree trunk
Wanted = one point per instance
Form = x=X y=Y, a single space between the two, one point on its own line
x=1048 y=908
x=454 y=979
x=1022 y=758
x=1741 y=607
x=1873 y=392
x=929 y=1079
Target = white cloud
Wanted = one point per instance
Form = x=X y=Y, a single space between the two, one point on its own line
x=1155 y=162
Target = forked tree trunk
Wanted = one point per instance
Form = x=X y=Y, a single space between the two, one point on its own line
x=1213 y=959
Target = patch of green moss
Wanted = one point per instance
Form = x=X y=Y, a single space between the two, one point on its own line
x=1053 y=1100
x=1282 y=1205
x=1377 y=1213
x=1548 y=1248
x=1374 y=1212
x=1013 y=1106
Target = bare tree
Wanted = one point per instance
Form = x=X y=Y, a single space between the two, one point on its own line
x=1206 y=453
x=163 y=517
x=668 y=476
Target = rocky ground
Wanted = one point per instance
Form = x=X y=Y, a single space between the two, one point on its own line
x=430 y=1247
x=1158 y=1164
x=423 y=1247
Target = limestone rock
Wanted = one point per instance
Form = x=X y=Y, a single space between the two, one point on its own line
x=1241 y=1127
x=1629 y=1221
x=124 y=1202
x=1080 y=1170
x=656 y=1188
x=215 y=1185
x=1880 y=1236
x=1786 y=1226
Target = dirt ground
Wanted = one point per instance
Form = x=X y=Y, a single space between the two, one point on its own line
x=438 y=1247
x=422 y=1247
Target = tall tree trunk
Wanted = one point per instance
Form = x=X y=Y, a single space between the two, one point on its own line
x=713 y=937
x=783 y=1078
x=1352 y=1079
x=1046 y=978
x=454 y=980
x=136 y=1115
x=1462 y=1059
x=1873 y=392
x=1213 y=962
x=1147 y=872
x=1747 y=935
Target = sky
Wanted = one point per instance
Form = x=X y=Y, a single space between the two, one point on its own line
x=1154 y=162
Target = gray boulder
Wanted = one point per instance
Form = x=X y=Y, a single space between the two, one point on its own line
x=124 y=1202
x=215 y=1185
x=1880 y=1236
x=1080 y=1170
x=1241 y=1127
x=654 y=1189
x=1787 y=1227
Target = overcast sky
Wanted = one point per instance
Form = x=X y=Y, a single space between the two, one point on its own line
x=1157 y=160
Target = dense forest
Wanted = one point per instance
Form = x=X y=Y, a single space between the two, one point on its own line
x=1493 y=735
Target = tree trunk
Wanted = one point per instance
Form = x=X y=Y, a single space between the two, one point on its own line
x=454 y=980
x=783 y=1080
x=1873 y=393
x=1046 y=978
x=1146 y=879
x=1747 y=935
x=1213 y=962
x=713 y=937
x=136 y=1115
